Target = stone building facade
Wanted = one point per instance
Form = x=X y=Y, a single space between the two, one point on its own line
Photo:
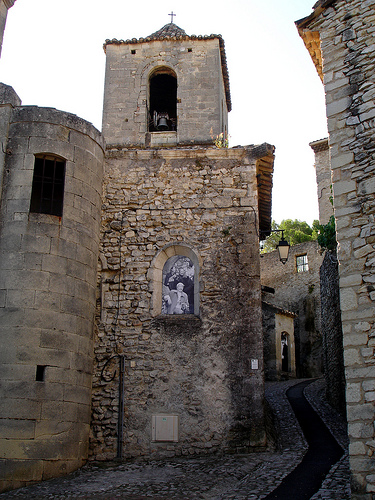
x=333 y=352
x=173 y=222
x=331 y=327
x=47 y=288
x=192 y=204
x=323 y=179
x=340 y=38
x=297 y=289
x=177 y=210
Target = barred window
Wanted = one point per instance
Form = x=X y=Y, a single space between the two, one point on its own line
x=47 y=193
x=302 y=263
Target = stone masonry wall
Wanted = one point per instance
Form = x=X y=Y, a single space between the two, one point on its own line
x=332 y=333
x=323 y=179
x=48 y=267
x=201 y=103
x=347 y=43
x=300 y=294
x=199 y=203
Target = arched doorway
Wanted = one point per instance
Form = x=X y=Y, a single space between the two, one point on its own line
x=285 y=355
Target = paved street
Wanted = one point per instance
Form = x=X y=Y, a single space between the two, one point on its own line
x=244 y=477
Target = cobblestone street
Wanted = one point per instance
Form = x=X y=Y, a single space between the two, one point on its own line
x=244 y=477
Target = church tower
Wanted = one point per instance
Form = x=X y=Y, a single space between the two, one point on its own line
x=178 y=347
x=166 y=89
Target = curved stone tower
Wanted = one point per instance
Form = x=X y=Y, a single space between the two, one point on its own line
x=51 y=164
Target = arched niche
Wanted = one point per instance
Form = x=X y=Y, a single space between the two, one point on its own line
x=162 y=270
x=162 y=100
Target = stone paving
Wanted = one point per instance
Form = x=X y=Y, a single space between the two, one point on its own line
x=234 y=477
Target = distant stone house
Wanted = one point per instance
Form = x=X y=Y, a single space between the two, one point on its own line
x=339 y=36
x=157 y=350
x=297 y=289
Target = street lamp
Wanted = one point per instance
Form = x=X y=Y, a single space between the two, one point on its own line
x=283 y=246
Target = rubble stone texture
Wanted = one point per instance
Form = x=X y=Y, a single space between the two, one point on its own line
x=346 y=31
x=199 y=203
x=332 y=333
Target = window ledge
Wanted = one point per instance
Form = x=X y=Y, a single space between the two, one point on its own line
x=40 y=217
x=163 y=138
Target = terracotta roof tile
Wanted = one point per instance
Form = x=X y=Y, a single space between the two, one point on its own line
x=169 y=30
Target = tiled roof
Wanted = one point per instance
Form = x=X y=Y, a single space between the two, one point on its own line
x=173 y=32
x=265 y=156
x=279 y=310
x=320 y=145
x=169 y=30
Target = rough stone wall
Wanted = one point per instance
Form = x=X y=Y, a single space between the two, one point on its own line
x=48 y=267
x=199 y=203
x=323 y=179
x=347 y=43
x=332 y=333
x=201 y=103
x=300 y=294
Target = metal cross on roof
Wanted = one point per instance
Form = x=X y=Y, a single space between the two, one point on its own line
x=172 y=14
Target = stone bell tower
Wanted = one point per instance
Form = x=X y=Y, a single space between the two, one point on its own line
x=166 y=89
x=179 y=350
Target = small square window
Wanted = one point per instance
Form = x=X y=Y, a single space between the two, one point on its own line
x=302 y=263
x=190 y=50
x=40 y=373
x=132 y=51
x=47 y=193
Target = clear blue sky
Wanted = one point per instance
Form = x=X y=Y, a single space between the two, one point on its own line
x=52 y=56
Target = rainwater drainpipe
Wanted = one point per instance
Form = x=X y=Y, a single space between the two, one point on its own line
x=120 y=431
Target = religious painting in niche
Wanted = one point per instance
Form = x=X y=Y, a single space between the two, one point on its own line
x=178 y=286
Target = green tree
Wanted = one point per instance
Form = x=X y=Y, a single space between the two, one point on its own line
x=295 y=231
x=327 y=235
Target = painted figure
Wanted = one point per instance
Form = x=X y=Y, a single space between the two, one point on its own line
x=177 y=301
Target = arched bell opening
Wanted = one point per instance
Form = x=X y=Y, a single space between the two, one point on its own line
x=162 y=101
